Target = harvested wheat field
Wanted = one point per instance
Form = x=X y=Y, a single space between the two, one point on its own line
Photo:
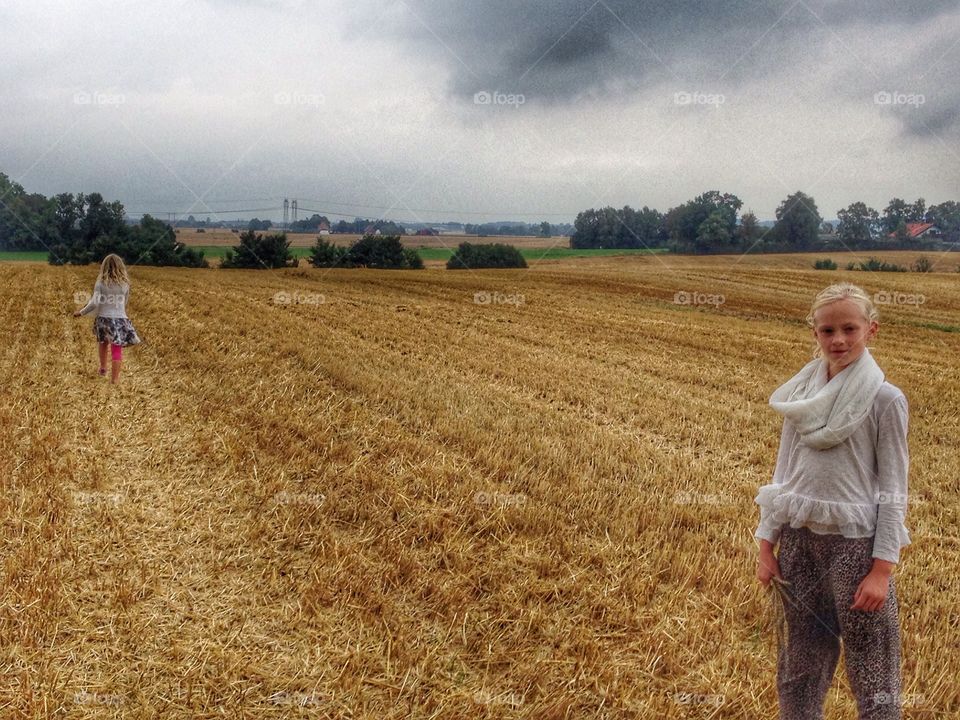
x=385 y=494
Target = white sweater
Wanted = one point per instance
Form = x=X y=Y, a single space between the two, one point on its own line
x=108 y=300
x=857 y=488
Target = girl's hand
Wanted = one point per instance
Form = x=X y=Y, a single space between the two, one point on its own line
x=76 y=314
x=767 y=567
x=872 y=592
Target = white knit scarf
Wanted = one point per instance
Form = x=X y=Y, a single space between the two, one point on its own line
x=827 y=413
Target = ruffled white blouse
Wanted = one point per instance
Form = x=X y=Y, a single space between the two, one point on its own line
x=108 y=300
x=857 y=488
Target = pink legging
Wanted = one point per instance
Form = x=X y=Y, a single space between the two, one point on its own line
x=116 y=352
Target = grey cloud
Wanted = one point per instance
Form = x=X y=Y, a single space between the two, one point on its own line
x=920 y=88
x=398 y=75
x=561 y=51
x=901 y=12
x=567 y=46
x=934 y=117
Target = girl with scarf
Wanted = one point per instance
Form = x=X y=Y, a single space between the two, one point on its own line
x=837 y=505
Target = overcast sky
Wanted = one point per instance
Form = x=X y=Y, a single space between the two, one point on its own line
x=429 y=110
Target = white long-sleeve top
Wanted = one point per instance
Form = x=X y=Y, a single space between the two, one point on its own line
x=857 y=488
x=108 y=300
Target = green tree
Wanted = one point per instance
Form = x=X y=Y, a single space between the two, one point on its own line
x=858 y=225
x=100 y=218
x=87 y=229
x=749 y=230
x=26 y=220
x=259 y=252
x=896 y=211
x=470 y=256
x=326 y=254
x=153 y=242
x=918 y=210
x=714 y=232
x=79 y=229
x=946 y=216
x=798 y=221
x=683 y=222
x=311 y=224
x=258 y=224
x=612 y=228
x=68 y=210
x=384 y=252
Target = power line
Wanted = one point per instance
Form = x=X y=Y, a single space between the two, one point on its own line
x=294 y=205
x=395 y=208
x=327 y=213
x=212 y=212
x=427 y=210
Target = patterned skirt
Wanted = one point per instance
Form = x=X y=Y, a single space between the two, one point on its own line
x=118 y=331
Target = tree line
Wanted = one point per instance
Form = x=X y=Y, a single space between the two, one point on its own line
x=711 y=223
x=83 y=228
x=542 y=229
x=79 y=229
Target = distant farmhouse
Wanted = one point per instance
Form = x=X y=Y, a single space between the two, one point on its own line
x=916 y=231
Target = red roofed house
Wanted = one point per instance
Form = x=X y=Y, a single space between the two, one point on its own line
x=916 y=231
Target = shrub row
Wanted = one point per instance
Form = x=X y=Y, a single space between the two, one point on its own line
x=922 y=264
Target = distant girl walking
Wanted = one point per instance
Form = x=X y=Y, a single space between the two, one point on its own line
x=111 y=326
x=837 y=505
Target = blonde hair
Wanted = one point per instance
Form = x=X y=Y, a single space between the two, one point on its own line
x=842 y=291
x=113 y=271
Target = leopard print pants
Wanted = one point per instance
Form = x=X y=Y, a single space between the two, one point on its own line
x=825 y=571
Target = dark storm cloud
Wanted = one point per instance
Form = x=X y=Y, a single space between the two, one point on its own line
x=564 y=50
x=920 y=87
x=938 y=114
x=561 y=49
x=901 y=12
